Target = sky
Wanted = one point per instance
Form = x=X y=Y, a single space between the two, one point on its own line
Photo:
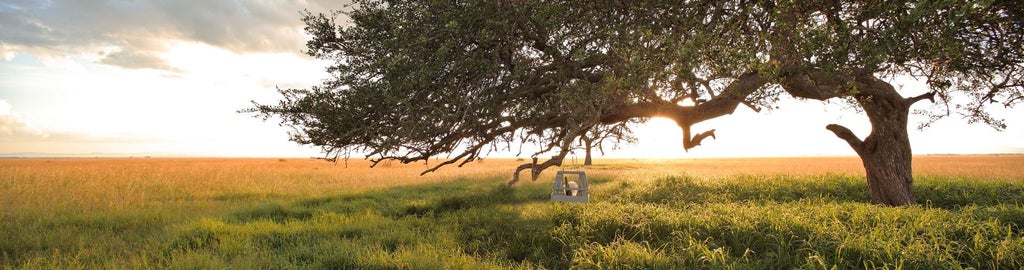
x=154 y=77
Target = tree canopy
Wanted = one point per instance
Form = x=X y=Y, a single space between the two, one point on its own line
x=411 y=80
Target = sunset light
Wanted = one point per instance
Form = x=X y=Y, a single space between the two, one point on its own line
x=434 y=134
x=176 y=92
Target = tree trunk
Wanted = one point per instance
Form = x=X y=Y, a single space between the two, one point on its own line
x=886 y=151
x=587 y=160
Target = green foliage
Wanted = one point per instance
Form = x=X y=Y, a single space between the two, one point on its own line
x=671 y=222
x=410 y=80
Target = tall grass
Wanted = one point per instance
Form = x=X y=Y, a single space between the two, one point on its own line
x=269 y=213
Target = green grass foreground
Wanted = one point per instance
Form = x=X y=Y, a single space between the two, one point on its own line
x=666 y=222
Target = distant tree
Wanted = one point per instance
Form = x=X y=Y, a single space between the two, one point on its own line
x=595 y=138
x=419 y=79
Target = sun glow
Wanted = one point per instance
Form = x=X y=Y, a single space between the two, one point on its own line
x=659 y=137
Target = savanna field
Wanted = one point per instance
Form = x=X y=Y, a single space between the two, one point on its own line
x=783 y=213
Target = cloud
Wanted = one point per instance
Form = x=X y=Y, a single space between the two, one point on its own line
x=5 y=53
x=135 y=57
x=140 y=30
x=14 y=128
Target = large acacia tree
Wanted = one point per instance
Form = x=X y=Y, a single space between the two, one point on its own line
x=421 y=79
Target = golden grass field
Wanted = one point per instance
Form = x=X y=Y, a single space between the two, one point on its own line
x=135 y=213
x=121 y=183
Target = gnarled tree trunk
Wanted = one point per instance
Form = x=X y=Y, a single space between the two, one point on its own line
x=886 y=151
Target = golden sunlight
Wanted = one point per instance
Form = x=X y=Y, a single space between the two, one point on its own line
x=658 y=138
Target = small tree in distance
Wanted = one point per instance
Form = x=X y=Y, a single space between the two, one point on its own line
x=414 y=80
x=595 y=138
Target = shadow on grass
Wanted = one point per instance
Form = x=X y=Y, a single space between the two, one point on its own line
x=438 y=199
x=681 y=190
x=957 y=193
x=475 y=220
x=674 y=222
x=397 y=202
x=941 y=193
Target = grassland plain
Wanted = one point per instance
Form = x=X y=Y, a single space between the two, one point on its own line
x=644 y=214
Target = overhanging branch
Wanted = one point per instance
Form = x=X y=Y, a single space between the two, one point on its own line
x=724 y=103
x=469 y=154
x=566 y=145
x=536 y=169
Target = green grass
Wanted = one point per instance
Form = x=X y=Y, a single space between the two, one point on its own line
x=739 y=222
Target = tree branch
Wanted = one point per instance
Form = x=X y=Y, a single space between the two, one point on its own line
x=751 y=106
x=686 y=116
x=813 y=85
x=729 y=98
x=536 y=169
x=847 y=135
x=930 y=96
x=695 y=141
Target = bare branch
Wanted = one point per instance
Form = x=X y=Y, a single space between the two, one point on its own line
x=847 y=135
x=930 y=96
x=695 y=141
x=470 y=153
x=446 y=162
x=751 y=106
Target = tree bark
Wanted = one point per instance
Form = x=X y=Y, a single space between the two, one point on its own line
x=885 y=152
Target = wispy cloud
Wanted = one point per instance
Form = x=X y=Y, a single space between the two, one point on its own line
x=132 y=34
x=14 y=128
